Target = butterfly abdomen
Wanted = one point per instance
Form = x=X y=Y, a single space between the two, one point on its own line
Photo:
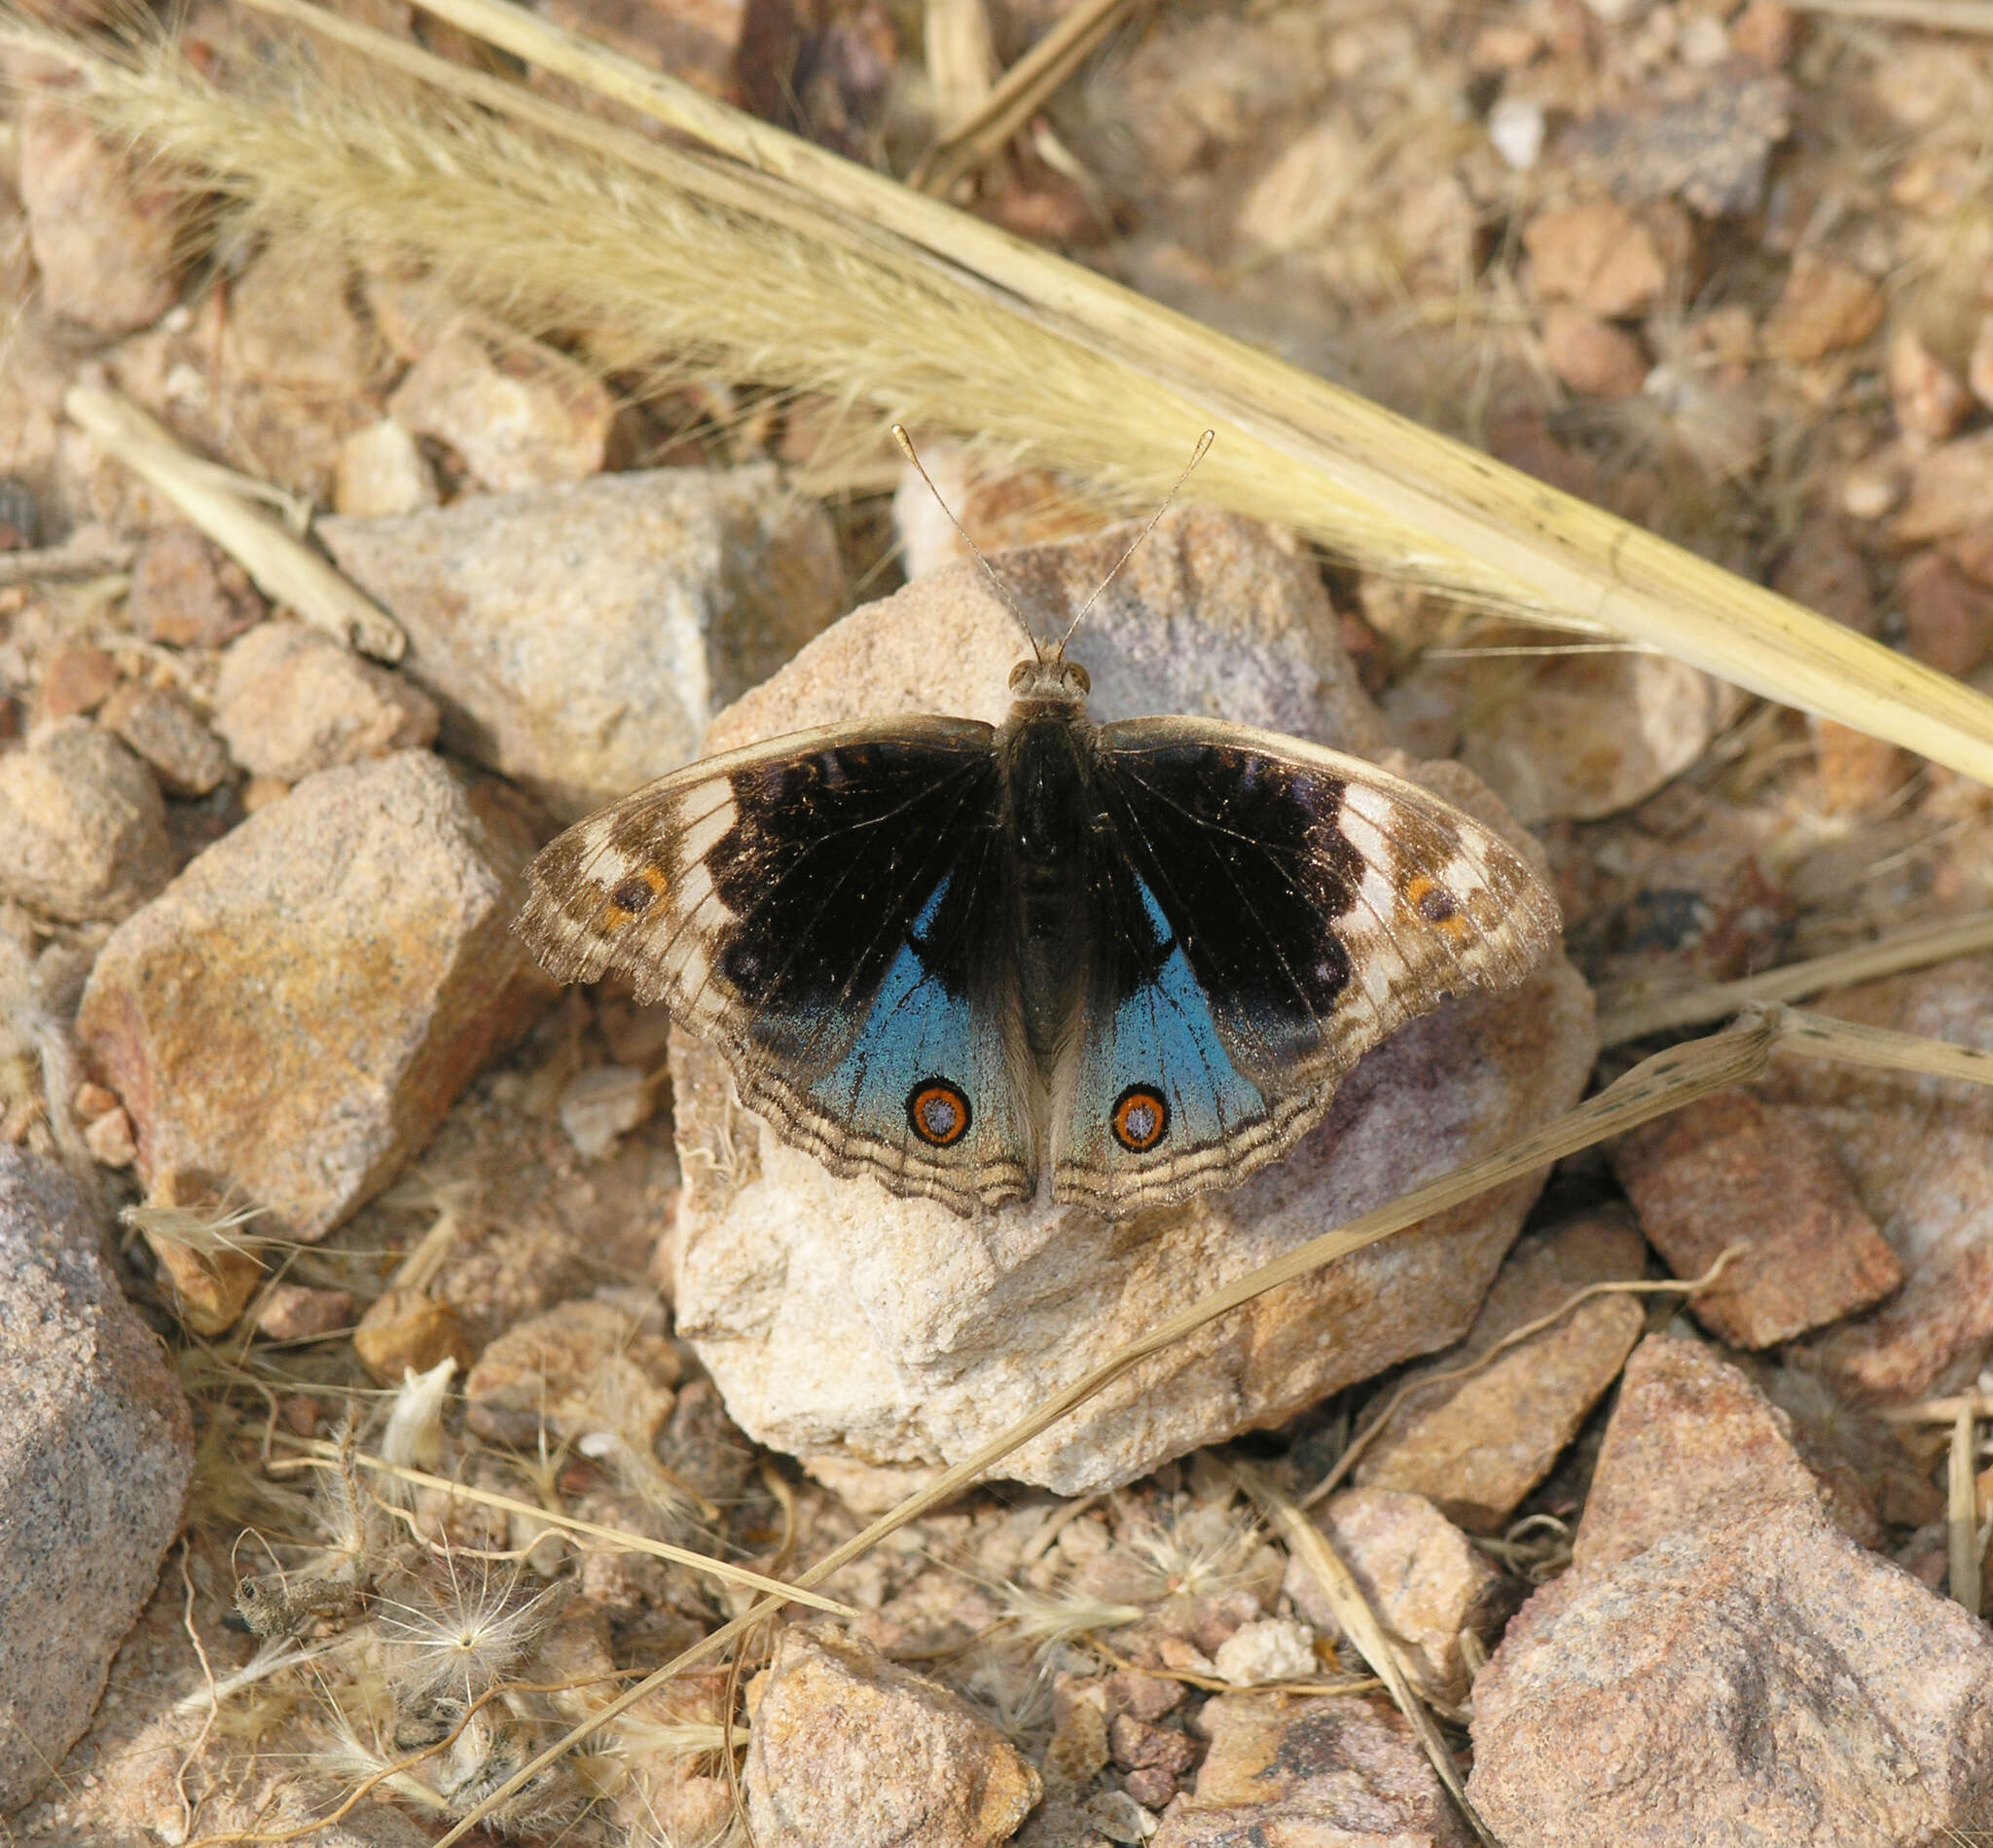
x=1047 y=817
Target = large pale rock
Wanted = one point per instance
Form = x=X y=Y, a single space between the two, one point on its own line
x=82 y=829
x=582 y=637
x=878 y=1338
x=1477 y=1446
x=1314 y=1773
x=1694 y=1445
x=95 y=1449
x=1765 y=1680
x=851 y=1750
x=292 y=1017
x=1920 y=1153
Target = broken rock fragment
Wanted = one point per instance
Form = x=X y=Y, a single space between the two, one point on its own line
x=83 y=830
x=296 y=1012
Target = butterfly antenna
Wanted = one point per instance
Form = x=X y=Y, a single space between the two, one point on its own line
x=1197 y=456
x=906 y=446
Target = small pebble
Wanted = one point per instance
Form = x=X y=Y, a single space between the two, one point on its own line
x=1516 y=127
x=382 y=472
x=109 y=1139
x=77 y=680
x=188 y=595
x=408 y=1329
x=292 y=1312
x=1267 y=1650
x=159 y=725
x=602 y=1105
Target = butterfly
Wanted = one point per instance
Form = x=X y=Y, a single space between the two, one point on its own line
x=1138 y=957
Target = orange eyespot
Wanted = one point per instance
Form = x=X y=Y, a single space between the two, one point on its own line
x=1141 y=1120
x=1433 y=902
x=637 y=893
x=937 y=1113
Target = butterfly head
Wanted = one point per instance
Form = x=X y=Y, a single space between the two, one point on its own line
x=1047 y=681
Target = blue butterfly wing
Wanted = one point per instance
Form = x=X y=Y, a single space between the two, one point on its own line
x=827 y=911
x=1267 y=912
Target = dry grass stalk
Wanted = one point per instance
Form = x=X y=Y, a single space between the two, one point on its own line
x=1939 y=1411
x=1962 y=1510
x=1688 y=1287
x=57 y=564
x=221 y=503
x=1361 y=1625
x=1942 y=16
x=802 y=271
x=326 y=1456
x=1023 y=90
x=1916 y=948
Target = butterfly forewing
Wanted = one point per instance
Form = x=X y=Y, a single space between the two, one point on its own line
x=827 y=911
x=1282 y=909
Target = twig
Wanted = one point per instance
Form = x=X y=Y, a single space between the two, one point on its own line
x=74 y=559
x=325 y=1456
x=1891 y=956
x=1017 y=96
x=1944 y=16
x=284 y=568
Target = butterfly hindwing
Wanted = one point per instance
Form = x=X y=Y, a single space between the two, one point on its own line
x=826 y=910
x=1269 y=910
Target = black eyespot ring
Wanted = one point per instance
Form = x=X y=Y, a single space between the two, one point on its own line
x=1141 y=1118
x=938 y=1113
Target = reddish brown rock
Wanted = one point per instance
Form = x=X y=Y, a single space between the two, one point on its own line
x=1425 y=1580
x=1475 y=1447
x=103 y=240
x=186 y=593
x=78 y=678
x=1950 y=493
x=852 y=1750
x=580 y=1367
x=1727 y=1170
x=159 y=725
x=1919 y=1152
x=95 y=1450
x=520 y=414
x=1929 y=401
x=83 y=831
x=1857 y=772
x=290 y=324
x=1601 y=257
x=291 y=700
x=295 y=1311
x=1319 y=1769
x=297 y=1011
x=1694 y=1445
x=1824 y=306
x=1947 y=614
x=1767 y=1681
x=1592 y=356
x=207 y=1286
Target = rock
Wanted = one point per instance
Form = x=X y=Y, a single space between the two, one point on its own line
x=291 y=700
x=581 y=637
x=186 y=593
x=849 y=1750
x=998 y=507
x=1693 y=1446
x=602 y=1105
x=1765 y=1681
x=207 y=1286
x=1825 y=308
x=1950 y=493
x=579 y=1368
x=294 y=1311
x=110 y=1141
x=1858 y=772
x=290 y=324
x=1267 y=1650
x=1592 y=356
x=1603 y=258
x=187 y=758
x=1929 y=401
x=1919 y=1151
x=78 y=678
x=1321 y=1770
x=382 y=473
x=878 y=1337
x=696 y=42
x=292 y=1017
x=1426 y=1582
x=83 y=831
x=1477 y=1446
x=1728 y=1171
x=1710 y=149
x=102 y=240
x=95 y=1452
x=406 y=1330
x=521 y=415
x=1947 y=614
x=1980 y=365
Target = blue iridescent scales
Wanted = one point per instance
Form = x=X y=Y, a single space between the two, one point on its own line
x=1131 y=959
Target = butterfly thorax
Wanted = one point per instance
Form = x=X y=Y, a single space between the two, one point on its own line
x=1049 y=813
